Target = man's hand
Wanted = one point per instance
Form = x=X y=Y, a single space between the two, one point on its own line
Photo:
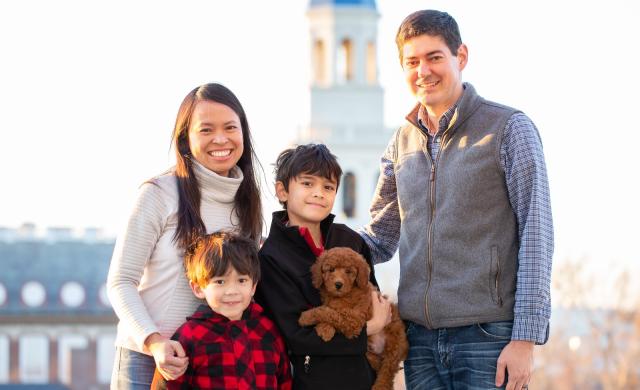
x=171 y=360
x=381 y=313
x=516 y=359
x=376 y=343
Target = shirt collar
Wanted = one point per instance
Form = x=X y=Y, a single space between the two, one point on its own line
x=445 y=120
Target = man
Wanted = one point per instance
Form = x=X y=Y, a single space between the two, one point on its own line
x=463 y=192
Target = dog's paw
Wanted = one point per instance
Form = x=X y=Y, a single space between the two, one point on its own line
x=351 y=333
x=325 y=331
x=306 y=318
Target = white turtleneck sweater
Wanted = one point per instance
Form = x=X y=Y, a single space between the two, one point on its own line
x=147 y=285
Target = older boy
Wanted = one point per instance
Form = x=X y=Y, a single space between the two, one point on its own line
x=307 y=179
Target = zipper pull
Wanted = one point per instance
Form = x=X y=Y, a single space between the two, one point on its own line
x=307 y=364
x=433 y=172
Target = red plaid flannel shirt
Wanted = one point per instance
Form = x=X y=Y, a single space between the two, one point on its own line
x=245 y=354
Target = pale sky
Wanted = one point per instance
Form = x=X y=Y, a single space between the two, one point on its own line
x=89 y=92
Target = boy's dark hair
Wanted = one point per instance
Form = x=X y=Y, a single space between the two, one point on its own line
x=429 y=22
x=312 y=159
x=213 y=254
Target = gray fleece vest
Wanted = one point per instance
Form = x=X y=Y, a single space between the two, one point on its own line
x=459 y=237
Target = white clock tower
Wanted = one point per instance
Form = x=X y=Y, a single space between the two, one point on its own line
x=347 y=99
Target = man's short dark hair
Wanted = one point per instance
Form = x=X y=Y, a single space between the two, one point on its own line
x=213 y=255
x=311 y=159
x=429 y=22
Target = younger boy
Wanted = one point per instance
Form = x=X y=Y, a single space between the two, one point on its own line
x=307 y=179
x=229 y=343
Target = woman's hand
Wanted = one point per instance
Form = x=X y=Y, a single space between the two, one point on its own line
x=381 y=313
x=171 y=361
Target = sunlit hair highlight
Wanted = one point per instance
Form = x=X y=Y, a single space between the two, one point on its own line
x=215 y=254
x=310 y=159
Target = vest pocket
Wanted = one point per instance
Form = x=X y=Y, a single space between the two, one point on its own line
x=495 y=276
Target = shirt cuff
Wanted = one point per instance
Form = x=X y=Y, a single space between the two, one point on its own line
x=531 y=328
x=141 y=337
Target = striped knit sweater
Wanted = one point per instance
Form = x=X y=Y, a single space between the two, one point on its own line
x=147 y=285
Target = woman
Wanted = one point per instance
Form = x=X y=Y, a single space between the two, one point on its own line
x=213 y=186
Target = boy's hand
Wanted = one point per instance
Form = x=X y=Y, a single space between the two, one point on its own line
x=171 y=360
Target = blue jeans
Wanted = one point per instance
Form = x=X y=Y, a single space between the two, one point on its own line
x=132 y=370
x=455 y=358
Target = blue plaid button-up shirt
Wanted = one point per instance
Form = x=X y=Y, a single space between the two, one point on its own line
x=523 y=162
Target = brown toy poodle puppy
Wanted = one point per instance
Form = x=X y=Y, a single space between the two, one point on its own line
x=342 y=276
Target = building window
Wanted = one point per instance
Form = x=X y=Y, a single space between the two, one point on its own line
x=104 y=297
x=319 y=58
x=4 y=359
x=105 y=354
x=33 y=294
x=72 y=294
x=3 y=294
x=345 y=62
x=34 y=359
x=349 y=195
x=372 y=70
x=66 y=345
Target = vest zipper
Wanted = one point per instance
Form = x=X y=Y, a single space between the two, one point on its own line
x=429 y=237
x=432 y=190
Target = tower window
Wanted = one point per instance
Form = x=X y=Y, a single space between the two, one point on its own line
x=319 y=71
x=345 y=62
x=349 y=195
x=371 y=63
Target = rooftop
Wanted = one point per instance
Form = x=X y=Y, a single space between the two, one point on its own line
x=60 y=279
x=344 y=3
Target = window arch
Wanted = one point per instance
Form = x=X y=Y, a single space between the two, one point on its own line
x=319 y=70
x=372 y=68
x=345 y=61
x=349 y=195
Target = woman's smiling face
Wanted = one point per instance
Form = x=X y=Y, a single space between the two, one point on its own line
x=215 y=136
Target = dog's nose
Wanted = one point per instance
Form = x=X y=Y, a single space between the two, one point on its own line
x=338 y=285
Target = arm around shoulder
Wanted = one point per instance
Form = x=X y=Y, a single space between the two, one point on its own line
x=382 y=234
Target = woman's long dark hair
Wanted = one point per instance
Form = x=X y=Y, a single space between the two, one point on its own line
x=247 y=200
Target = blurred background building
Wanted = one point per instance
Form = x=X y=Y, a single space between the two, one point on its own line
x=56 y=323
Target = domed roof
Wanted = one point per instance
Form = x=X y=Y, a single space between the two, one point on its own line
x=345 y=3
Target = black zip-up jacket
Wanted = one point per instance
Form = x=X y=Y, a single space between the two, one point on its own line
x=285 y=291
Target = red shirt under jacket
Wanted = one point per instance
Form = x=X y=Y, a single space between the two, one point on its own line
x=224 y=354
x=306 y=234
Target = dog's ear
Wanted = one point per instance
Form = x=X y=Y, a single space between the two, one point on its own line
x=363 y=271
x=316 y=272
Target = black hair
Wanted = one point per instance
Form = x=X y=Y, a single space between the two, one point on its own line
x=312 y=159
x=429 y=22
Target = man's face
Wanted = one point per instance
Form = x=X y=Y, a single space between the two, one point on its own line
x=433 y=74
